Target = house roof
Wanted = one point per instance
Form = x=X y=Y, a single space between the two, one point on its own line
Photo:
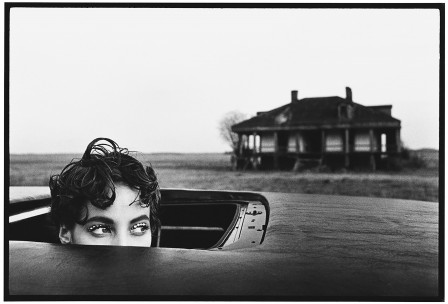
x=316 y=111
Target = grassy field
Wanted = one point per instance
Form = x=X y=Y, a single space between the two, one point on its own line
x=212 y=171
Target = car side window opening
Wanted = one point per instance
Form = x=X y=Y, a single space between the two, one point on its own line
x=189 y=219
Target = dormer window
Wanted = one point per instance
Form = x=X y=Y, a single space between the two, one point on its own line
x=345 y=111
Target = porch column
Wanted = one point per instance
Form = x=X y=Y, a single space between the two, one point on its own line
x=323 y=147
x=255 y=142
x=255 y=153
x=347 y=149
x=297 y=142
x=372 y=156
x=323 y=141
x=371 y=140
x=240 y=144
x=297 y=163
x=276 y=150
x=397 y=140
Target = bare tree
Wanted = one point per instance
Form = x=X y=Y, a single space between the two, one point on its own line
x=225 y=128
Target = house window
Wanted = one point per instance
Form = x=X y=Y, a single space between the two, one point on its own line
x=362 y=142
x=343 y=112
x=257 y=143
x=267 y=142
x=292 y=142
x=251 y=142
x=244 y=141
x=383 y=143
x=334 y=142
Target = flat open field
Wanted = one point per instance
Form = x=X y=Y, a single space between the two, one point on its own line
x=212 y=171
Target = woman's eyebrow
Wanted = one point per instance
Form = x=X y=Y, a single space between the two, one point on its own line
x=140 y=218
x=102 y=219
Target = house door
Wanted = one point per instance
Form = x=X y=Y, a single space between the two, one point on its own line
x=283 y=137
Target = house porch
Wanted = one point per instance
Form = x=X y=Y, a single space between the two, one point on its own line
x=336 y=148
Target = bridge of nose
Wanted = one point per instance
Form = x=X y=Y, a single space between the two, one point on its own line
x=121 y=237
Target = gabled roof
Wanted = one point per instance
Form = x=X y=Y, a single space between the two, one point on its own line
x=315 y=111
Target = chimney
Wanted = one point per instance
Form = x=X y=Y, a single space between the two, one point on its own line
x=294 y=96
x=348 y=94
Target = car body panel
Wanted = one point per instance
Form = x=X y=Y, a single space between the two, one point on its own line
x=315 y=246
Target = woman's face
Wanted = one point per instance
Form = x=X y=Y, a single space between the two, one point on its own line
x=121 y=224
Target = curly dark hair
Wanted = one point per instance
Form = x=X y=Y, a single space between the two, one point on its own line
x=92 y=179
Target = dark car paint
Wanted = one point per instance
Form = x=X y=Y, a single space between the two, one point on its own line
x=315 y=246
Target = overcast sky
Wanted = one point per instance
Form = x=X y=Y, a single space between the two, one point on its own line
x=160 y=79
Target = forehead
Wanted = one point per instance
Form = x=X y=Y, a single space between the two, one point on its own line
x=125 y=206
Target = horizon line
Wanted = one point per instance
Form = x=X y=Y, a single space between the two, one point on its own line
x=69 y=153
x=221 y=152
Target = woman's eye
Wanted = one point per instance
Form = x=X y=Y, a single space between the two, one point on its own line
x=99 y=230
x=139 y=229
